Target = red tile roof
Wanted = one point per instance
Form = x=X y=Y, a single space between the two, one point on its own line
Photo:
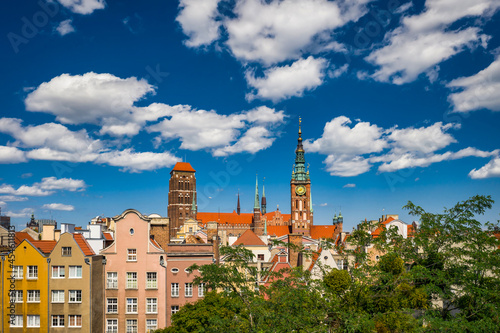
x=286 y=217
x=315 y=257
x=108 y=235
x=45 y=246
x=21 y=235
x=323 y=231
x=278 y=230
x=78 y=228
x=231 y=218
x=183 y=166
x=249 y=238
x=377 y=231
x=83 y=244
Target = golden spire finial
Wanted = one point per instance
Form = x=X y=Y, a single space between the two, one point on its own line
x=300 y=122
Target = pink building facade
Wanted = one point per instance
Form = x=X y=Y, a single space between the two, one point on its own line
x=180 y=289
x=135 y=278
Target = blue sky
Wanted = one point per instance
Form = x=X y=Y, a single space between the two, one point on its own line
x=399 y=101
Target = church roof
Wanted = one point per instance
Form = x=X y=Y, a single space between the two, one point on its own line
x=249 y=238
x=323 y=231
x=278 y=230
x=221 y=218
x=183 y=166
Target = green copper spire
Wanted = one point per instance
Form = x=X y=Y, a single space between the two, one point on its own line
x=299 y=172
x=193 y=205
x=311 y=201
x=256 y=202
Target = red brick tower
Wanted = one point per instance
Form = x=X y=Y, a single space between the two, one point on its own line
x=181 y=196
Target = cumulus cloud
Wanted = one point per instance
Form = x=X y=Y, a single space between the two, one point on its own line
x=11 y=155
x=477 y=91
x=287 y=81
x=25 y=212
x=223 y=134
x=491 y=169
x=59 y=206
x=425 y=40
x=132 y=161
x=83 y=7
x=12 y=198
x=89 y=98
x=198 y=21
x=47 y=186
x=65 y=27
x=352 y=151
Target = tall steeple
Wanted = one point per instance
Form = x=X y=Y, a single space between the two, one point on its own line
x=238 y=210
x=193 y=206
x=299 y=172
x=256 y=205
x=263 y=203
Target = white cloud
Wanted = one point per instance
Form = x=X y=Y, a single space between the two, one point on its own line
x=88 y=98
x=137 y=161
x=83 y=7
x=65 y=27
x=287 y=81
x=11 y=155
x=423 y=139
x=49 y=136
x=255 y=139
x=424 y=40
x=201 y=129
x=46 y=187
x=491 y=169
x=197 y=19
x=25 y=212
x=59 y=206
x=350 y=185
x=353 y=151
x=477 y=91
x=339 y=138
x=12 y=198
x=346 y=165
x=274 y=31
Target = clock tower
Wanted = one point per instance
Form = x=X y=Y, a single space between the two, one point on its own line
x=300 y=189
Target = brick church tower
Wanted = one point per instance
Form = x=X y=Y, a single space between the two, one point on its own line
x=300 y=189
x=181 y=196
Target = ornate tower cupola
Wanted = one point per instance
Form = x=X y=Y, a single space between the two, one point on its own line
x=300 y=188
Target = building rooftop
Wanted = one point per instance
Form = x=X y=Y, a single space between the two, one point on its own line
x=183 y=166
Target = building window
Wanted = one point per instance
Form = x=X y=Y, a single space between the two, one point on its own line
x=58 y=321
x=16 y=296
x=174 y=290
x=151 y=282
x=75 y=272
x=33 y=296
x=131 y=280
x=75 y=320
x=260 y=257
x=16 y=321
x=342 y=264
x=151 y=325
x=33 y=321
x=32 y=272
x=66 y=251
x=112 y=280
x=201 y=290
x=131 y=305
x=151 y=305
x=131 y=231
x=188 y=291
x=131 y=255
x=131 y=325
x=112 y=326
x=112 y=305
x=58 y=272
x=174 y=309
x=75 y=296
x=57 y=296
x=17 y=272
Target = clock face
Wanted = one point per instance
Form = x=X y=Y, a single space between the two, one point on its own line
x=300 y=190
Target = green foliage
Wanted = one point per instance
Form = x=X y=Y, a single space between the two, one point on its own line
x=445 y=278
x=337 y=280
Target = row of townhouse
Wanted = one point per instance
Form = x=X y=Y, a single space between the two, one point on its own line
x=132 y=285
